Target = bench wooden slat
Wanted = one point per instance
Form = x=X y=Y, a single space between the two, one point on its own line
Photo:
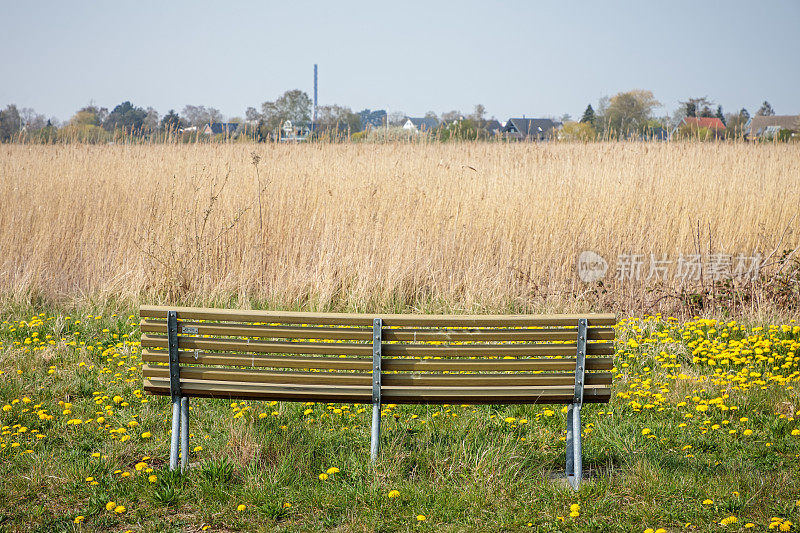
x=357 y=319
x=389 y=350
x=365 y=334
x=391 y=394
x=350 y=378
x=261 y=361
x=388 y=364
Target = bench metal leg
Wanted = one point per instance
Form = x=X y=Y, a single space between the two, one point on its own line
x=574 y=462
x=377 y=357
x=176 y=428
x=184 y=433
x=375 y=440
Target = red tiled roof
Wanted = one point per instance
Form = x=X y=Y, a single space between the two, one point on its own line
x=711 y=123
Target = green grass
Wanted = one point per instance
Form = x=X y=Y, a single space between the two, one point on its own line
x=464 y=468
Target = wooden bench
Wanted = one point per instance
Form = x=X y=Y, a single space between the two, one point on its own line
x=381 y=358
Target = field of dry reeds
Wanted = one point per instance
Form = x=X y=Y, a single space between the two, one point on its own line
x=494 y=227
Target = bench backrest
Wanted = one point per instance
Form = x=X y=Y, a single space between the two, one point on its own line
x=328 y=357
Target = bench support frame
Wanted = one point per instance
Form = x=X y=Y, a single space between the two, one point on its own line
x=574 y=462
x=377 y=356
x=180 y=403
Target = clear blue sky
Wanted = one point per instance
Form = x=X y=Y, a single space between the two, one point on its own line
x=515 y=58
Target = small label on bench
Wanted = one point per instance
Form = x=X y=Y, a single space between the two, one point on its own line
x=189 y=330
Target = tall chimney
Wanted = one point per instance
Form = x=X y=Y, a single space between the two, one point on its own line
x=315 y=93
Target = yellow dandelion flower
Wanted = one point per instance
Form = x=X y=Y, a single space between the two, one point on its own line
x=394 y=493
x=79 y=519
x=323 y=476
x=575 y=507
x=708 y=502
x=146 y=435
x=110 y=506
x=152 y=478
x=241 y=507
x=119 y=509
x=421 y=518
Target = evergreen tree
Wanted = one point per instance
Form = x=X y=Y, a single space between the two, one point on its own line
x=588 y=115
x=719 y=114
x=766 y=110
x=171 y=121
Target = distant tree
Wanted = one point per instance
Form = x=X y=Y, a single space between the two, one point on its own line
x=719 y=114
x=200 y=115
x=294 y=105
x=765 y=110
x=450 y=116
x=10 y=123
x=252 y=114
x=461 y=130
x=694 y=107
x=577 y=131
x=433 y=115
x=735 y=124
x=706 y=112
x=336 y=117
x=588 y=115
x=397 y=118
x=566 y=117
x=125 y=117
x=90 y=115
x=629 y=112
x=171 y=121
x=32 y=120
x=478 y=113
x=151 y=119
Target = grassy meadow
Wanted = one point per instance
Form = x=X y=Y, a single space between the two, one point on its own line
x=702 y=432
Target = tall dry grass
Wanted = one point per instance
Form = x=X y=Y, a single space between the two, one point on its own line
x=462 y=226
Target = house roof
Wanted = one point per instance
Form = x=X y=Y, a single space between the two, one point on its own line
x=491 y=125
x=758 y=124
x=424 y=123
x=712 y=123
x=375 y=118
x=529 y=126
x=222 y=127
x=655 y=134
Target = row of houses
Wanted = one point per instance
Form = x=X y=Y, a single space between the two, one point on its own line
x=537 y=129
x=523 y=129
x=757 y=127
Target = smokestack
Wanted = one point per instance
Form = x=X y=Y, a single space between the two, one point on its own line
x=315 y=93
